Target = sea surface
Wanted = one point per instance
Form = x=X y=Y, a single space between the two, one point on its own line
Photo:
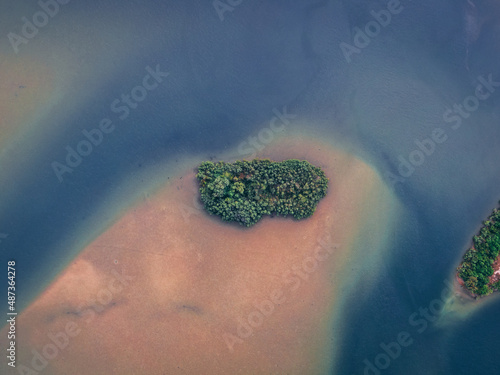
x=221 y=77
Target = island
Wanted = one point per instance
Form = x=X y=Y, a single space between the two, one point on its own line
x=244 y=191
x=479 y=271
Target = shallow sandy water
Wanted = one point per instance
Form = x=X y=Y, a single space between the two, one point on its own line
x=24 y=88
x=170 y=289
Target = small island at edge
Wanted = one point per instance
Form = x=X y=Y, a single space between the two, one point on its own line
x=479 y=271
x=244 y=191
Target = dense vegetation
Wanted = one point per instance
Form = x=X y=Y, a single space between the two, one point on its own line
x=244 y=191
x=477 y=267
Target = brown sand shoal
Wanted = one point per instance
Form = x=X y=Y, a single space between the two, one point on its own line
x=191 y=286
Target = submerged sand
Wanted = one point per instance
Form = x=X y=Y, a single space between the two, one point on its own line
x=24 y=85
x=169 y=289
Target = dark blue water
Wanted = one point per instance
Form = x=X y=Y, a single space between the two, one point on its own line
x=225 y=79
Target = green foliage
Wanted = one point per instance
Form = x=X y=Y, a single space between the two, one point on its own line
x=476 y=268
x=244 y=191
x=496 y=286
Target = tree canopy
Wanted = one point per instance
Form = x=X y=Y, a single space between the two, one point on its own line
x=476 y=269
x=244 y=191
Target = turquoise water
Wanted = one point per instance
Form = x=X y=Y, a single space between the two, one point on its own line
x=225 y=78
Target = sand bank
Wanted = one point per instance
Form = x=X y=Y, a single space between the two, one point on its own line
x=169 y=289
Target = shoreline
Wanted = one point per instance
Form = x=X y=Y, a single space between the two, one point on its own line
x=459 y=288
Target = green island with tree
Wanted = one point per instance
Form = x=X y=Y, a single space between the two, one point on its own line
x=244 y=191
x=477 y=269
